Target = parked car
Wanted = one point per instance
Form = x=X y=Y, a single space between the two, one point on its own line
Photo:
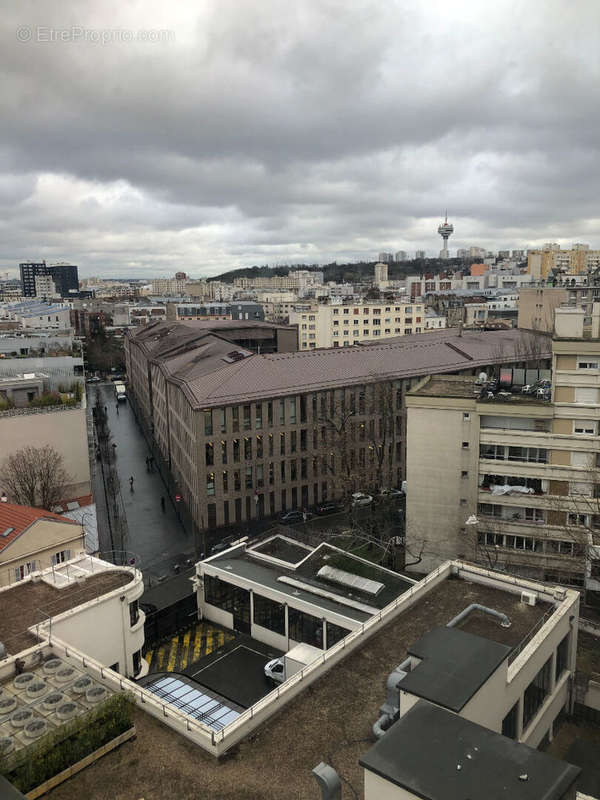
x=295 y=516
x=224 y=544
x=94 y=379
x=275 y=670
x=391 y=493
x=360 y=499
x=327 y=508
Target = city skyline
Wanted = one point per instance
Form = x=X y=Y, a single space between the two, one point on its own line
x=233 y=141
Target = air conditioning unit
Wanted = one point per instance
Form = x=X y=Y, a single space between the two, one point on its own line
x=530 y=598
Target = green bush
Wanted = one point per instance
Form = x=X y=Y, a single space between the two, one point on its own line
x=46 y=399
x=69 y=744
x=5 y=405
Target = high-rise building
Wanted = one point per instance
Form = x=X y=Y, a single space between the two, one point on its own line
x=419 y=254
x=445 y=230
x=381 y=273
x=551 y=258
x=401 y=255
x=65 y=277
x=385 y=258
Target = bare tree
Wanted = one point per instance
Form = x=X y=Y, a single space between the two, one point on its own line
x=35 y=476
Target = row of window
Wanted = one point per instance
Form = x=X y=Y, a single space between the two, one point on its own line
x=256 y=475
x=549 y=546
x=500 y=452
x=288 y=411
x=366 y=322
x=270 y=614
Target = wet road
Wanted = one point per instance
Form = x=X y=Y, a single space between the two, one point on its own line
x=156 y=537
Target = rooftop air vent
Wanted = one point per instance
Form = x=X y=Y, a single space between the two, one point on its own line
x=235 y=355
x=7 y=745
x=64 y=674
x=96 y=694
x=82 y=684
x=52 y=665
x=66 y=711
x=6 y=532
x=23 y=680
x=35 y=729
x=36 y=689
x=7 y=705
x=53 y=700
x=21 y=717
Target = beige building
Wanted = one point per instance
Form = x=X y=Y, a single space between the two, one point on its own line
x=536 y=307
x=62 y=427
x=339 y=325
x=511 y=480
x=168 y=287
x=32 y=539
x=551 y=257
x=247 y=436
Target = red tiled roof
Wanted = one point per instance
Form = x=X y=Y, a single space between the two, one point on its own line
x=19 y=518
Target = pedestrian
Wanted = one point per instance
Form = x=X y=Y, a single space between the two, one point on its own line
x=147 y=464
x=162 y=504
x=304 y=515
x=151 y=463
x=131 y=484
x=117 y=408
x=106 y=409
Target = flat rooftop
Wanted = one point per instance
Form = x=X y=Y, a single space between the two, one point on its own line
x=467 y=388
x=470 y=761
x=300 y=581
x=26 y=603
x=332 y=719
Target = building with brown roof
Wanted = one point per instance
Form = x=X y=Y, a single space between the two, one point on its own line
x=32 y=539
x=248 y=435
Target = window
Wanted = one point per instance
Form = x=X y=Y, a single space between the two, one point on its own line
x=259 y=446
x=282 y=471
x=235 y=416
x=223 y=595
x=223 y=452
x=61 y=557
x=23 y=570
x=237 y=485
x=464 y=473
x=208 y=424
x=210 y=483
x=209 y=454
x=585 y=426
x=248 y=479
x=269 y=614
x=509 y=723
x=303 y=408
x=223 y=420
x=259 y=476
x=293 y=470
x=465 y=445
x=134 y=613
x=258 y=416
x=587 y=365
x=305 y=628
x=236 y=450
x=335 y=633
x=282 y=444
x=282 y=412
x=466 y=416
x=225 y=482
x=247 y=417
x=270 y=413
x=293 y=441
x=292 y=410
x=536 y=693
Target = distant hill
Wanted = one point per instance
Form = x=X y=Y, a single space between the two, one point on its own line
x=348 y=273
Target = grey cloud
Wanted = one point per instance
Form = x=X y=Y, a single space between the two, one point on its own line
x=268 y=131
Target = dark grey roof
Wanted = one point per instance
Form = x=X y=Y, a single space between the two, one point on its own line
x=454 y=665
x=423 y=751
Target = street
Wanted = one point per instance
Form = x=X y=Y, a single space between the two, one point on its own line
x=157 y=538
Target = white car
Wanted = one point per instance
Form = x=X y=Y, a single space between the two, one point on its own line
x=275 y=670
x=360 y=499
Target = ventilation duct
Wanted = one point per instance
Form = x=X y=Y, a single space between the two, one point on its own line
x=329 y=782
x=504 y=620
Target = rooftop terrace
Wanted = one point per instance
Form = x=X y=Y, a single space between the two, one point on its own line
x=331 y=721
x=27 y=603
x=467 y=388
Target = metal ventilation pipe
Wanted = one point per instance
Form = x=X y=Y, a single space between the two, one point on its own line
x=504 y=620
x=329 y=782
x=390 y=710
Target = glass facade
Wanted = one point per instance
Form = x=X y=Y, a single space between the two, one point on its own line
x=269 y=614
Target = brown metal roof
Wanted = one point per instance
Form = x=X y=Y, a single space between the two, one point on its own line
x=209 y=380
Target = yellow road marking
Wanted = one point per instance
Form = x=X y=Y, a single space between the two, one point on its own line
x=160 y=656
x=172 y=654
x=148 y=656
x=186 y=646
x=197 y=643
x=210 y=646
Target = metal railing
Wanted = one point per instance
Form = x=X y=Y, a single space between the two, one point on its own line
x=526 y=639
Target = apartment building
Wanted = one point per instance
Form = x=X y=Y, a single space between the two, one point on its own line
x=536 y=305
x=297 y=279
x=507 y=479
x=551 y=257
x=337 y=325
x=247 y=436
x=125 y=314
x=169 y=287
x=33 y=539
x=205 y=311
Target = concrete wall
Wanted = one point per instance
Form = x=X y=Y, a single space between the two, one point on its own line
x=64 y=430
x=38 y=544
x=377 y=788
x=101 y=628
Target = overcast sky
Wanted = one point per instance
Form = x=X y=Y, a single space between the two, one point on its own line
x=274 y=132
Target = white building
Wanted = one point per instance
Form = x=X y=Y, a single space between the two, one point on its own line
x=341 y=325
x=381 y=274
